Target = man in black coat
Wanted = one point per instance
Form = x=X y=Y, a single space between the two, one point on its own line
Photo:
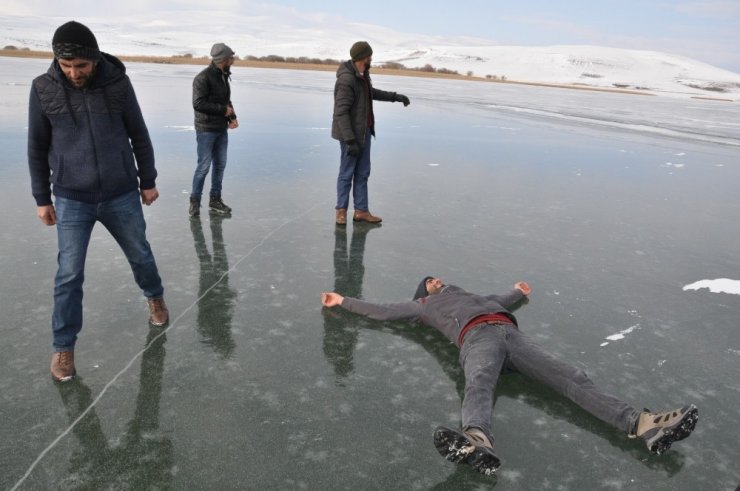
x=89 y=145
x=214 y=115
x=353 y=124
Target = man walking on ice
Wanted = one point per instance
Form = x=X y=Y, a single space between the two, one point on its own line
x=489 y=339
x=89 y=146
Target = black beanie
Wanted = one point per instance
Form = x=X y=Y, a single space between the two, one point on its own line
x=75 y=40
x=421 y=290
x=360 y=50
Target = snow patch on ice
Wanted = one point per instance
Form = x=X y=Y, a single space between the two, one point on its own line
x=620 y=334
x=719 y=285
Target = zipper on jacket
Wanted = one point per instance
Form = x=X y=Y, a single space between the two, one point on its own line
x=92 y=137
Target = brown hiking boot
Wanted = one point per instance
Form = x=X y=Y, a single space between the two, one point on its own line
x=63 y=366
x=365 y=216
x=158 y=310
x=660 y=430
x=341 y=216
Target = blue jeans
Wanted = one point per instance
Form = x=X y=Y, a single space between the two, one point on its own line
x=124 y=219
x=487 y=349
x=353 y=174
x=212 y=146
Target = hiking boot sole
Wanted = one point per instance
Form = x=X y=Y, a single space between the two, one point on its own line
x=454 y=446
x=680 y=430
x=62 y=380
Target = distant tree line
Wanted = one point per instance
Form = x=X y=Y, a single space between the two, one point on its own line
x=390 y=65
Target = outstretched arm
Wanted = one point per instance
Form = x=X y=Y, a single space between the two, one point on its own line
x=382 y=312
x=383 y=95
x=518 y=293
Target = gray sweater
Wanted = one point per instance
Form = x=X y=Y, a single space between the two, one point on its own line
x=447 y=311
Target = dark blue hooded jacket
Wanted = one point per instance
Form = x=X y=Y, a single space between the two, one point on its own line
x=91 y=144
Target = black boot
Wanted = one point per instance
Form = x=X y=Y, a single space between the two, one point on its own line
x=194 y=207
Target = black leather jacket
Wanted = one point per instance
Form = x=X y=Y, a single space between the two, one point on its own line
x=211 y=97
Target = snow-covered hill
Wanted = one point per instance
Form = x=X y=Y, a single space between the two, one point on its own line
x=178 y=33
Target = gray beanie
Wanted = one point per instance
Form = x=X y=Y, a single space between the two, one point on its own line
x=219 y=52
x=360 y=50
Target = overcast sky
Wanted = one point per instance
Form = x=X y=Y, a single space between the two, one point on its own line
x=705 y=30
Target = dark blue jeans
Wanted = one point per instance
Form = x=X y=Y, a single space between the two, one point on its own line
x=212 y=147
x=353 y=174
x=124 y=219
x=487 y=349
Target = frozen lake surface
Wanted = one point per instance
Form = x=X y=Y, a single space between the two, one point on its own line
x=607 y=204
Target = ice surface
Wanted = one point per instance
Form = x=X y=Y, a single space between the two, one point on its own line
x=253 y=385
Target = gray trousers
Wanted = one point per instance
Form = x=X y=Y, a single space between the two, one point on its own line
x=489 y=348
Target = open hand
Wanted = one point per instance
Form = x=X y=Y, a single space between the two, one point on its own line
x=523 y=287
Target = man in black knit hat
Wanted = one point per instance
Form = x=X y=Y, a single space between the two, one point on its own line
x=89 y=146
x=489 y=339
x=353 y=124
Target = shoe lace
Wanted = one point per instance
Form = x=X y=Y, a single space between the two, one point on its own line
x=65 y=359
x=662 y=418
x=156 y=305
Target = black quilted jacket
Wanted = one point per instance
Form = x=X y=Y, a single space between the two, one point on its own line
x=91 y=144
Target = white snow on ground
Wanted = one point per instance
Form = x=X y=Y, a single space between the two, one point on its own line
x=720 y=285
x=192 y=33
x=620 y=334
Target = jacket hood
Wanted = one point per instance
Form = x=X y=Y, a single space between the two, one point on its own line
x=347 y=68
x=109 y=70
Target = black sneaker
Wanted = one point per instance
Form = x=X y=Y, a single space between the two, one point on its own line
x=194 y=210
x=218 y=205
x=660 y=430
x=458 y=448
